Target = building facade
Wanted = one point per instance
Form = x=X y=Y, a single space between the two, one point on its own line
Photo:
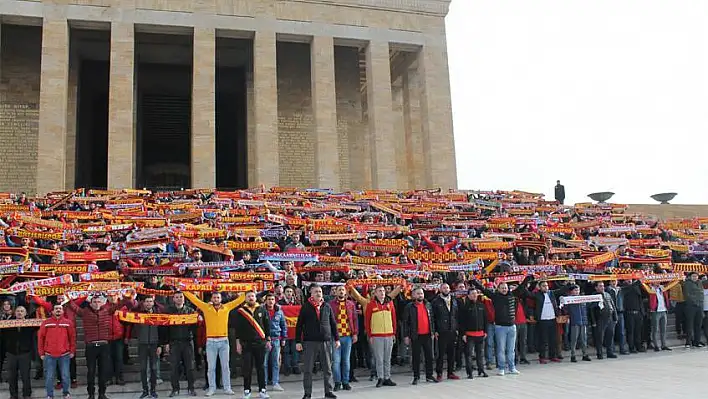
x=342 y=94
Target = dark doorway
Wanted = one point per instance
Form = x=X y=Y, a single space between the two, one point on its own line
x=92 y=125
x=231 y=151
x=164 y=126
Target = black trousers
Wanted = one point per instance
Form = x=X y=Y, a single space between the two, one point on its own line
x=97 y=356
x=147 y=355
x=19 y=363
x=116 y=352
x=547 y=336
x=475 y=344
x=680 y=318
x=633 y=320
x=422 y=343
x=182 y=352
x=253 y=355
x=446 y=347
x=694 y=321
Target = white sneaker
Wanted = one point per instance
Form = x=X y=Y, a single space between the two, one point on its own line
x=159 y=381
x=263 y=395
x=514 y=371
x=246 y=394
x=500 y=373
x=229 y=392
x=209 y=393
x=277 y=388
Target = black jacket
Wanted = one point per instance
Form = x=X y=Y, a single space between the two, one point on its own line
x=409 y=323
x=632 y=295
x=177 y=332
x=554 y=296
x=311 y=328
x=504 y=305
x=473 y=316
x=445 y=320
x=245 y=330
x=18 y=340
x=559 y=192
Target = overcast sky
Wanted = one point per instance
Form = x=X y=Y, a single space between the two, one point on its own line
x=603 y=95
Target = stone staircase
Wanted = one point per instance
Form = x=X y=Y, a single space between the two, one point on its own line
x=131 y=373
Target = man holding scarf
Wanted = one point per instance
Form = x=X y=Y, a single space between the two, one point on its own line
x=252 y=326
x=316 y=328
x=97 y=321
x=180 y=348
x=216 y=317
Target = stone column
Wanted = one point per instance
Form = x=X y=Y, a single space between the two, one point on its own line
x=204 y=108
x=380 y=111
x=53 y=98
x=436 y=107
x=324 y=108
x=121 y=107
x=265 y=99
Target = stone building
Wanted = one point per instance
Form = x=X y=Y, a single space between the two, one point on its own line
x=342 y=94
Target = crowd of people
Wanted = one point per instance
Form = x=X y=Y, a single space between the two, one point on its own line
x=308 y=281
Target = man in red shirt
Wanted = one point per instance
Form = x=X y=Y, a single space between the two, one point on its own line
x=418 y=329
x=56 y=345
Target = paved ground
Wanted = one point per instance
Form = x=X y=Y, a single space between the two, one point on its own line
x=678 y=374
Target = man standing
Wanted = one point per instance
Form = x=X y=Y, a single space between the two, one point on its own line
x=546 y=312
x=504 y=303
x=473 y=324
x=216 y=317
x=97 y=322
x=658 y=308
x=148 y=347
x=252 y=326
x=180 y=348
x=445 y=315
x=316 y=327
x=693 y=309
x=619 y=332
x=56 y=344
x=380 y=322
x=560 y=192
x=418 y=330
x=348 y=331
x=278 y=334
x=605 y=318
x=632 y=295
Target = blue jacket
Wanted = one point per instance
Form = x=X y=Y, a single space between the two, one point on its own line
x=278 y=326
x=578 y=313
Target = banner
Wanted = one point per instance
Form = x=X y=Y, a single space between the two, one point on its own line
x=576 y=299
x=288 y=257
x=47 y=282
x=291 y=313
x=157 y=319
x=14 y=323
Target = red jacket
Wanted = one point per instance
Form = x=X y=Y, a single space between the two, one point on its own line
x=654 y=302
x=98 y=323
x=490 y=309
x=56 y=337
x=520 y=313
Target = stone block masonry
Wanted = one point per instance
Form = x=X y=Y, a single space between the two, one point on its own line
x=320 y=90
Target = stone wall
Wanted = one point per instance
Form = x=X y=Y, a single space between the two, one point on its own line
x=20 y=57
x=295 y=121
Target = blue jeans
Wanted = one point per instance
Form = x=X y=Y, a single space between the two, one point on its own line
x=621 y=333
x=341 y=360
x=506 y=346
x=272 y=357
x=291 y=356
x=50 y=366
x=491 y=343
x=218 y=348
